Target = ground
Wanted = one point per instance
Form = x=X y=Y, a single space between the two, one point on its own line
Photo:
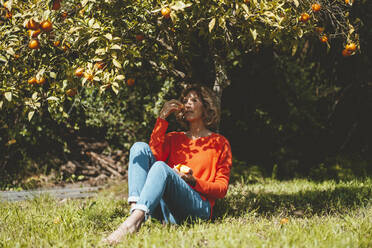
x=269 y=213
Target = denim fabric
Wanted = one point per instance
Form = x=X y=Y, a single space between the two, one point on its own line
x=159 y=191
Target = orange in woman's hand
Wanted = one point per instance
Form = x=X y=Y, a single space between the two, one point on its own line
x=183 y=168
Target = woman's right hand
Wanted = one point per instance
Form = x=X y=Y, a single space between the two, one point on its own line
x=170 y=107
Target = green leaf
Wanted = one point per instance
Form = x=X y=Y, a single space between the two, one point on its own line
x=30 y=115
x=211 y=24
x=254 y=33
x=1 y=104
x=91 y=40
x=3 y=59
x=120 y=77
x=34 y=96
x=116 y=63
x=8 y=96
x=108 y=36
x=53 y=98
x=179 y=5
x=53 y=75
x=116 y=47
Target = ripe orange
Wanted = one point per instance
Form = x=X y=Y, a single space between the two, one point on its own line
x=316 y=7
x=6 y=5
x=56 y=5
x=71 y=92
x=31 y=24
x=304 y=17
x=284 y=221
x=57 y=43
x=324 y=38
x=351 y=47
x=34 y=44
x=346 y=53
x=319 y=29
x=64 y=15
x=88 y=76
x=32 y=80
x=130 y=81
x=34 y=33
x=41 y=81
x=350 y=2
x=46 y=26
x=165 y=12
x=79 y=72
x=139 y=37
x=8 y=15
x=99 y=65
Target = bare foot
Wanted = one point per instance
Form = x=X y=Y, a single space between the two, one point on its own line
x=130 y=225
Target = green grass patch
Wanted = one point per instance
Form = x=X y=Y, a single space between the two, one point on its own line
x=319 y=214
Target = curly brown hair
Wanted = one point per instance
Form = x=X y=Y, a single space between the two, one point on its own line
x=211 y=113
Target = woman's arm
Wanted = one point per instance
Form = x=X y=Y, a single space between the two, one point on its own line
x=159 y=141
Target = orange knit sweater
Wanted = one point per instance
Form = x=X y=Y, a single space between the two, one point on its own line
x=208 y=157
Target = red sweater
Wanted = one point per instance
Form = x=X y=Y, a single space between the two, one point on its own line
x=208 y=157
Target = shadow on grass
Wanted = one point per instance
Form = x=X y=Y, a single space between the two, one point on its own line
x=303 y=203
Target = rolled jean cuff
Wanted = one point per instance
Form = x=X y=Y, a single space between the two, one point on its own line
x=133 y=199
x=142 y=207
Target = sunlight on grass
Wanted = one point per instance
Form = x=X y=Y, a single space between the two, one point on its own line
x=326 y=214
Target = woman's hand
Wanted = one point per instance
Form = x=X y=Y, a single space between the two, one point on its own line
x=170 y=107
x=188 y=178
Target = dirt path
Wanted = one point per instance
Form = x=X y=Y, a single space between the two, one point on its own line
x=60 y=193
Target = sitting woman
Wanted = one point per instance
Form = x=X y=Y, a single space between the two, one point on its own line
x=156 y=185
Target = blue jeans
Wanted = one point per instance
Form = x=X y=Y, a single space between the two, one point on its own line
x=159 y=191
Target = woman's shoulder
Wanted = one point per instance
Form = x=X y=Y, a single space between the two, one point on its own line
x=221 y=139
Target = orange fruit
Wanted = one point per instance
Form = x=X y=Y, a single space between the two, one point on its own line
x=346 y=53
x=130 y=81
x=79 y=72
x=34 y=33
x=350 y=2
x=319 y=29
x=324 y=38
x=316 y=7
x=31 y=24
x=57 y=43
x=46 y=26
x=34 y=44
x=41 y=81
x=284 y=221
x=16 y=56
x=351 y=47
x=71 y=92
x=165 y=12
x=99 y=65
x=64 y=15
x=139 y=37
x=56 y=5
x=32 y=80
x=304 y=17
x=88 y=76
x=8 y=15
x=5 y=5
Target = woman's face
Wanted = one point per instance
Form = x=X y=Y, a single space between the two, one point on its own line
x=193 y=107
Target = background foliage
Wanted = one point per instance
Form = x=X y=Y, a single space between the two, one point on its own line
x=292 y=104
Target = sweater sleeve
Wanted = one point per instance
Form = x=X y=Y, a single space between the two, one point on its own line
x=159 y=142
x=217 y=188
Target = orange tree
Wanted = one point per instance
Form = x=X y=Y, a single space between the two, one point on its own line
x=59 y=54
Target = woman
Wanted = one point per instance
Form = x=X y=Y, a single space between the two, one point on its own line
x=156 y=187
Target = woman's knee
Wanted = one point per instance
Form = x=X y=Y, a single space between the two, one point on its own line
x=139 y=147
x=160 y=167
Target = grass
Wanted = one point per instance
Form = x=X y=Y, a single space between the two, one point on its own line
x=319 y=214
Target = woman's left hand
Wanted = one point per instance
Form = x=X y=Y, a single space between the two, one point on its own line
x=188 y=178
